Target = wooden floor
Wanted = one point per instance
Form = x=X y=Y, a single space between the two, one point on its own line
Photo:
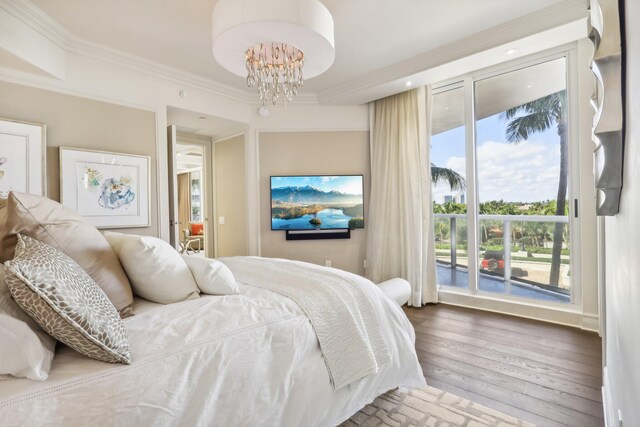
x=546 y=374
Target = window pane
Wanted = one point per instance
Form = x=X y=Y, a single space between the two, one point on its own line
x=448 y=165
x=522 y=166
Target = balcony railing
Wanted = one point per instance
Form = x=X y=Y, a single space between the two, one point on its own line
x=529 y=237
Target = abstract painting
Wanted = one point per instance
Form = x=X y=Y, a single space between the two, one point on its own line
x=111 y=190
x=22 y=151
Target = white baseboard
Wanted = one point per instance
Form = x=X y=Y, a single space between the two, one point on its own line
x=609 y=411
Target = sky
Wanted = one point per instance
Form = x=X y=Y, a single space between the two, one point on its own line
x=514 y=172
x=344 y=184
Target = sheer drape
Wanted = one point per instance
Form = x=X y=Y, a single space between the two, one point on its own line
x=400 y=228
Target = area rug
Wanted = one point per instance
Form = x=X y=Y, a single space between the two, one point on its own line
x=429 y=407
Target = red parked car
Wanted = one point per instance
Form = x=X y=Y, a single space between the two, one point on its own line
x=493 y=261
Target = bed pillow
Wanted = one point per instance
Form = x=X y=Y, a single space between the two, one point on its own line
x=26 y=350
x=66 y=302
x=50 y=222
x=212 y=276
x=156 y=270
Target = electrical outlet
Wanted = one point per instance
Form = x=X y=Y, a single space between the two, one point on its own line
x=221 y=220
x=327 y=263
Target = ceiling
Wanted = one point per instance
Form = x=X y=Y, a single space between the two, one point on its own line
x=188 y=158
x=191 y=122
x=370 y=35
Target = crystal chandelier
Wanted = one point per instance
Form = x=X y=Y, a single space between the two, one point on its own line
x=276 y=69
x=278 y=38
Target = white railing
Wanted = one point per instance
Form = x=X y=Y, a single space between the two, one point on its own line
x=506 y=232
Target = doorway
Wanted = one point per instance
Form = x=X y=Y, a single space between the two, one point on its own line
x=207 y=188
x=192 y=206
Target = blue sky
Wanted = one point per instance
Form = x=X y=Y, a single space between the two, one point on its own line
x=344 y=184
x=524 y=172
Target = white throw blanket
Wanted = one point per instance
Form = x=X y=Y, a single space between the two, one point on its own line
x=340 y=312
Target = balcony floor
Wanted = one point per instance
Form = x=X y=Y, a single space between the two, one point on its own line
x=459 y=278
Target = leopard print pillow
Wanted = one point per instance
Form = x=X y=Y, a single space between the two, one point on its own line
x=62 y=298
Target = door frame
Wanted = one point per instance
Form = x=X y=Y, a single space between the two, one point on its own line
x=574 y=313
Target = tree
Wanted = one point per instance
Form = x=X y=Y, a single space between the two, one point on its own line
x=455 y=180
x=538 y=116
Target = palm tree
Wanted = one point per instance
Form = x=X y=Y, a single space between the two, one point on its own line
x=538 y=116
x=455 y=180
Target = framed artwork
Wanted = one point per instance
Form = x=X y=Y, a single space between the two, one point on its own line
x=22 y=157
x=111 y=190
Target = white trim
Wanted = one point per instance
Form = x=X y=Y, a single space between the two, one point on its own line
x=570 y=316
x=547 y=19
x=252 y=159
x=235 y=135
x=39 y=21
x=602 y=281
x=472 y=184
x=607 y=401
x=591 y=322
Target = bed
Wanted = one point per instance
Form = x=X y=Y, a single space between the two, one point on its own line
x=250 y=359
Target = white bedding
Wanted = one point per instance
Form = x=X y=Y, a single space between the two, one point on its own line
x=243 y=360
x=339 y=310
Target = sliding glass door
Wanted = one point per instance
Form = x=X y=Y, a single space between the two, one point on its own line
x=501 y=170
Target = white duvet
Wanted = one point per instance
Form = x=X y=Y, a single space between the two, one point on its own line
x=244 y=360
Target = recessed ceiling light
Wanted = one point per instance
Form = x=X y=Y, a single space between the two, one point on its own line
x=529 y=86
x=511 y=51
x=409 y=83
x=446 y=108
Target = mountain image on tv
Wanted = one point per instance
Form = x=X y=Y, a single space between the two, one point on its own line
x=317 y=202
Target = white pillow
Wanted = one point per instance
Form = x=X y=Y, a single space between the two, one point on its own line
x=212 y=276
x=26 y=350
x=155 y=269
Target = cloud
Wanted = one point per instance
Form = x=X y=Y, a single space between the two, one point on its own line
x=523 y=172
x=328 y=178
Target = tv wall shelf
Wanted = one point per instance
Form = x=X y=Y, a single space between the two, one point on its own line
x=318 y=234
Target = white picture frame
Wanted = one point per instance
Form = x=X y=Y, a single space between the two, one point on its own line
x=110 y=190
x=22 y=157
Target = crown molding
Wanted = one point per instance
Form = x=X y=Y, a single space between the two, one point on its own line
x=543 y=20
x=38 y=20
x=344 y=93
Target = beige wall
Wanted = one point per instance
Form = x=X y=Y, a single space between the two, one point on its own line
x=231 y=197
x=83 y=123
x=313 y=153
x=622 y=253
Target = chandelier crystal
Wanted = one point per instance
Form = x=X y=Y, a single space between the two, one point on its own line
x=276 y=69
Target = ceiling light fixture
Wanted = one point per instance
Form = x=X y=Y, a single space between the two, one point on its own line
x=271 y=43
x=511 y=51
x=408 y=83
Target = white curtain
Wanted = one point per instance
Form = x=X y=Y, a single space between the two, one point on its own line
x=400 y=241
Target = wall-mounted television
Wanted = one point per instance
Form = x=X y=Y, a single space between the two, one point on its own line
x=317 y=202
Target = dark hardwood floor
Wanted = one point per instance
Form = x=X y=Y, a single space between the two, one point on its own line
x=543 y=373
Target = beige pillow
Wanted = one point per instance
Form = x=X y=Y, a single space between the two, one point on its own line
x=51 y=223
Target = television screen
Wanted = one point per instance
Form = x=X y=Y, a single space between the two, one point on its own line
x=317 y=202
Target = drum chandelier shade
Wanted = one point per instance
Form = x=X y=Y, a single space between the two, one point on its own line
x=275 y=44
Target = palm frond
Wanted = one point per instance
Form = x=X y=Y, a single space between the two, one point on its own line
x=552 y=104
x=455 y=180
x=521 y=127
